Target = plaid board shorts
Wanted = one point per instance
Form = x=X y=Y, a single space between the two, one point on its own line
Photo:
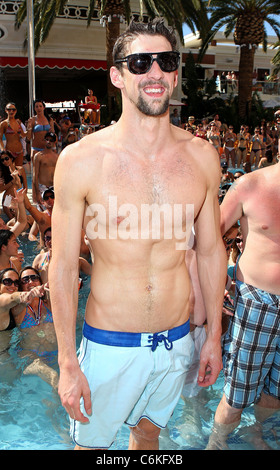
x=251 y=349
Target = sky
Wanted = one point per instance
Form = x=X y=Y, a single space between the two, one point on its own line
x=269 y=30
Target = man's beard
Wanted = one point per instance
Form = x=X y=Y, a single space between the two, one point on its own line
x=151 y=108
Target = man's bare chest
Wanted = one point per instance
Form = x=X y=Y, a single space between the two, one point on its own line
x=167 y=182
x=152 y=200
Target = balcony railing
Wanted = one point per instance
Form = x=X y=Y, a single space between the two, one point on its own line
x=231 y=87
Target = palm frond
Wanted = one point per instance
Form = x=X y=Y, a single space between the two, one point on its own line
x=91 y=8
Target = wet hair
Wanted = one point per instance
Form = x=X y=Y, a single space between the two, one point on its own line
x=4 y=271
x=135 y=29
x=4 y=170
x=5 y=236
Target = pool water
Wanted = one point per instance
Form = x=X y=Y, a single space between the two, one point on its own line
x=32 y=418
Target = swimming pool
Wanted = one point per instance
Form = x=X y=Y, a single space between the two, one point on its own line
x=32 y=418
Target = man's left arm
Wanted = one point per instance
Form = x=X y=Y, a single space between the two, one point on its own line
x=212 y=271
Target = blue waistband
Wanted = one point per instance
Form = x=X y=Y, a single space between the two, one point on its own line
x=124 y=339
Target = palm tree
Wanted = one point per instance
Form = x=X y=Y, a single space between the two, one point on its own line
x=276 y=59
x=191 y=12
x=246 y=19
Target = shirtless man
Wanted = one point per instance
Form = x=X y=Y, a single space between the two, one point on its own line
x=43 y=168
x=140 y=283
x=251 y=370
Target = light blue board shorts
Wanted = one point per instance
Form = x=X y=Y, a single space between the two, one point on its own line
x=131 y=376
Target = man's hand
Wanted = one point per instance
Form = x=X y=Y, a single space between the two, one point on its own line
x=210 y=363
x=72 y=386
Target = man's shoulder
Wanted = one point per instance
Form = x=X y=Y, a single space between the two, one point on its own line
x=84 y=157
x=246 y=185
x=87 y=146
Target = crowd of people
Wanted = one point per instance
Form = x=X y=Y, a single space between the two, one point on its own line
x=28 y=158
x=258 y=146
x=246 y=216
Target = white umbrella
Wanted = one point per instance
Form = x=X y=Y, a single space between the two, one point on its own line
x=271 y=103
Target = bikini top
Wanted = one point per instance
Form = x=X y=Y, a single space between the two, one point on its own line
x=12 y=323
x=41 y=128
x=10 y=130
x=29 y=321
x=45 y=261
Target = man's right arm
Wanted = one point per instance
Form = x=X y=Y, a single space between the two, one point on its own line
x=67 y=219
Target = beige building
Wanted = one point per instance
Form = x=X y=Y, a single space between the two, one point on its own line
x=223 y=56
x=73 y=58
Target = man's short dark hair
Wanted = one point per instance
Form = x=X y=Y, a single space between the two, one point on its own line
x=152 y=28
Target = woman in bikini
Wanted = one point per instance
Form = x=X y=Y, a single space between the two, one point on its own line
x=256 y=150
x=11 y=177
x=229 y=146
x=214 y=137
x=42 y=261
x=241 y=151
x=38 y=340
x=11 y=297
x=267 y=140
x=12 y=130
x=93 y=115
x=37 y=128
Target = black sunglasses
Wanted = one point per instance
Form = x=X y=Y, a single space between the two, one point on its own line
x=32 y=277
x=10 y=109
x=9 y=282
x=5 y=159
x=142 y=62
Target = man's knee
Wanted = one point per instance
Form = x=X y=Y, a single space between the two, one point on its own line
x=226 y=413
x=145 y=430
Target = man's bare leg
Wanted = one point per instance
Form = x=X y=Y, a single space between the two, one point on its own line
x=263 y=409
x=266 y=407
x=144 y=436
x=226 y=420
